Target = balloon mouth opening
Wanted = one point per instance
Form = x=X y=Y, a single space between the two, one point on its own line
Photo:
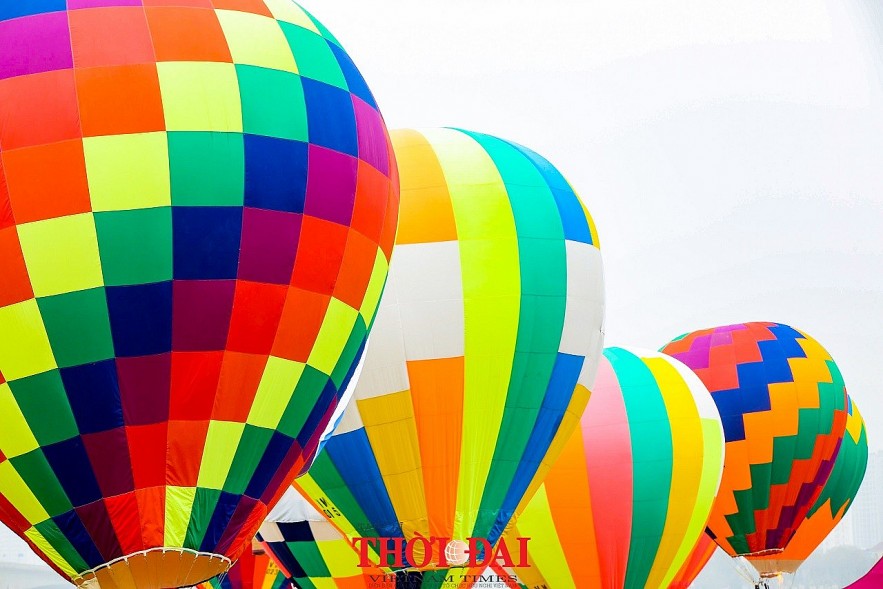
x=155 y=568
x=768 y=552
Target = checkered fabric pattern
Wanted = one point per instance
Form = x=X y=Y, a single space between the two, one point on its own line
x=783 y=405
x=198 y=202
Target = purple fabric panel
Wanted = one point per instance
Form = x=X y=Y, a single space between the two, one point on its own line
x=33 y=44
x=269 y=245
x=201 y=316
x=331 y=185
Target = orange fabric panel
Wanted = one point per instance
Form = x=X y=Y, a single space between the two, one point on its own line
x=437 y=389
x=568 y=485
x=426 y=213
x=119 y=100
x=38 y=177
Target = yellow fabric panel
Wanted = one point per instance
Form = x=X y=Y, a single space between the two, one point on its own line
x=274 y=392
x=220 y=448
x=128 y=171
x=16 y=437
x=391 y=429
x=375 y=287
x=333 y=335
x=492 y=294
x=61 y=255
x=179 y=505
x=50 y=552
x=13 y=487
x=548 y=555
x=340 y=558
x=288 y=11
x=256 y=40
x=687 y=466
x=200 y=96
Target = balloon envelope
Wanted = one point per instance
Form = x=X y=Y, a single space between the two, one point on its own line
x=629 y=497
x=253 y=570
x=197 y=206
x=832 y=504
x=311 y=552
x=783 y=405
x=695 y=563
x=485 y=342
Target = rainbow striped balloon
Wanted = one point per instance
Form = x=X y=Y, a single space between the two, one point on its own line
x=625 y=504
x=482 y=351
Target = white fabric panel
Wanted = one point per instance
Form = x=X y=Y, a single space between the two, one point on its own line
x=351 y=420
x=325 y=530
x=429 y=290
x=269 y=531
x=583 y=333
x=385 y=351
x=293 y=508
x=344 y=403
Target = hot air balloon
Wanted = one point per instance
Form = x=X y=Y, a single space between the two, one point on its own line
x=253 y=570
x=836 y=498
x=872 y=580
x=628 y=498
x=198 y=202
x=484 y=345
x=311 y=552
x=695 y=563
x=783 y=405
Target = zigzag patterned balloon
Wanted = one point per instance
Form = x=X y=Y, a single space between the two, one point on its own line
x=783 y=405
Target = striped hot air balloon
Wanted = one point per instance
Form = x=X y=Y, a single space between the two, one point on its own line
x=783 y=404
x=836 y=498
x=629 y=497
x=486 y=340
x=198 y=202
x=697 y=560
x=254 y=570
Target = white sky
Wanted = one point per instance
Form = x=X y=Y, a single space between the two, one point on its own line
x=731 y=152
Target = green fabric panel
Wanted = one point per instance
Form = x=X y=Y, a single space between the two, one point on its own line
x=302 y=402
x=321 y=28
x=203 y=508
x=326 y=476
x=249 y=453
x=207 y=169
x=59 y=541
x=273 y=103
x=543 y=266
x=785 y=451
x=35 y=470
x=78 y=327
x=348 y=356
x=652 y=459
x=42 y=399
x=309 y=557
x=313 y=55
x=742 y=522
x=304 y=583
x=135 y=246
x=847 y=474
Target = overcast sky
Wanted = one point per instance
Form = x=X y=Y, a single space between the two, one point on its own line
x=731 y=152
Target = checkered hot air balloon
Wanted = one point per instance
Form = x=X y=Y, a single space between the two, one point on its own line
x=628 y=499
x=198 y=202
x=784 y=407
x=485 y=342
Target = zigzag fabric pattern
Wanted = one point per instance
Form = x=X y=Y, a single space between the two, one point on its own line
x=783 y=405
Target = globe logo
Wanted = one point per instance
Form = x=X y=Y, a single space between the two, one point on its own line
x=456 y=552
